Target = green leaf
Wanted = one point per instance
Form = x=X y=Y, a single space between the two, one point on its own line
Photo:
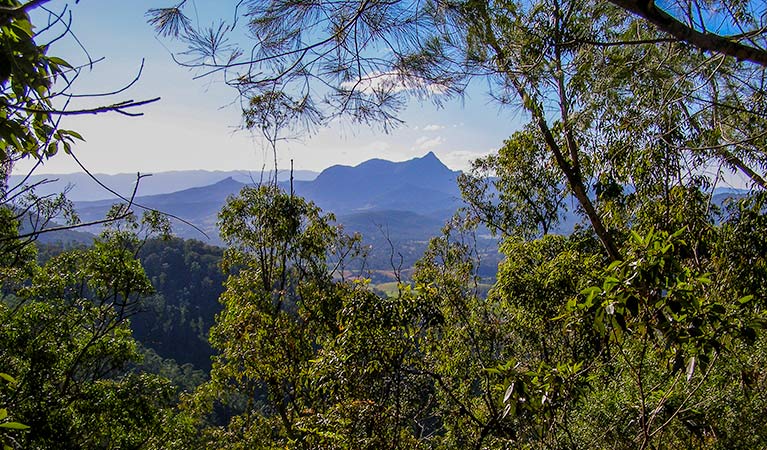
x=59 y=62
x=746 y=299
x=24 y=27
x=593 y=290
x=7 y=378
x=14 y=426
x=74 y=134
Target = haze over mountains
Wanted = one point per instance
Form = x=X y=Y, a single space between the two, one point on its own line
x=396 y=206
x=403 y=202
x=423 y=185
x=83 y=188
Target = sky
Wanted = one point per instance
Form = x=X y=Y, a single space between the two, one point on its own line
x=195 y=125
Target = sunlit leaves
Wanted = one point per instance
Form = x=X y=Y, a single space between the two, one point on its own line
x=66 y=337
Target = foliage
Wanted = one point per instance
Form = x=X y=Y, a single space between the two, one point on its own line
x=26 y=79
x=278 y=302
x=666 y=115
x=642 y=329
x=66 y=337
x=8 y=425
x=175 y=319
x=64 y=326
x=518 y=191
x=172 y=322
x=307 y=359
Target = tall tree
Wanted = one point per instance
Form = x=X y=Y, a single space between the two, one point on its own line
x=276 y=307
x=621 y=93
x=622 y=331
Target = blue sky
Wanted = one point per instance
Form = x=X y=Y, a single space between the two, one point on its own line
x=195 y=124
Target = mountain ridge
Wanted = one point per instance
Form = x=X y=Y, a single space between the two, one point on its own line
x=353 y=188
x=423 y=187
x=84 y=188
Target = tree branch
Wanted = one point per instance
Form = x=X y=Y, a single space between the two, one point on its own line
x=116 y=107
x=14 y=11
x=701 y=39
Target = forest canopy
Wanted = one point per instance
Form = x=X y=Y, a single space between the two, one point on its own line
x=643 y=328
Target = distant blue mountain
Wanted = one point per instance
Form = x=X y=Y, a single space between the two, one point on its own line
x=198 y=206
x=407 y=200
x=84 y=188
x=410 y=199
x=422 y=185
x=397 y=206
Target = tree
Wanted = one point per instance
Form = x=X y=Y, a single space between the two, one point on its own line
x=67 y=346
x=518 y=191
x=188 y=280
x=66 y=337
x=624 y=330
x=698 y=28
x=277 y=305
x=309 y=359
x=549 y=57
x=36 y=91
x=33 y=83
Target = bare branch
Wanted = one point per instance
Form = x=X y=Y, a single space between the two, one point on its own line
x=116 y=107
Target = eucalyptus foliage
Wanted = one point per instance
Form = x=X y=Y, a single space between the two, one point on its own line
x=641 y=329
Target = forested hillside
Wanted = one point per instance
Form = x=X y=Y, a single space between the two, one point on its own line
x=642 y=328
x=188 y=280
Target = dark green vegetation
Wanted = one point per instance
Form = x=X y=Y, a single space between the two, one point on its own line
x=644 y=328
x=188 y=280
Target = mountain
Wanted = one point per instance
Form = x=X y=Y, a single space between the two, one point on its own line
x=84 y=188
x=422 y=185
x=198 y=206
x=390 y=203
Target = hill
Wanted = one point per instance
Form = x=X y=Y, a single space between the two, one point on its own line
x=83 y=188
x=421 y=185
x=400 y=204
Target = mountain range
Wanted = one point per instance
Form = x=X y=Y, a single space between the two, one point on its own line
x=82 y=187
x=394 y=205
x=422 y=185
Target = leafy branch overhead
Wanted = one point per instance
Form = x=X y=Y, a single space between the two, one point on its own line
x=36 y=89
x=578 y=69
x=748 y=44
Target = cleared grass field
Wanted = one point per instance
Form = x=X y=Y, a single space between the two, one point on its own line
x=390 y=289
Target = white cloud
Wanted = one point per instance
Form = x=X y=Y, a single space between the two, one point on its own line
x=461 y=159
x=393 y=82
x=433 y=127
x=426 y=143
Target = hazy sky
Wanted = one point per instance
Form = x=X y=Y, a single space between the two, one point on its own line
x=195 y=124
